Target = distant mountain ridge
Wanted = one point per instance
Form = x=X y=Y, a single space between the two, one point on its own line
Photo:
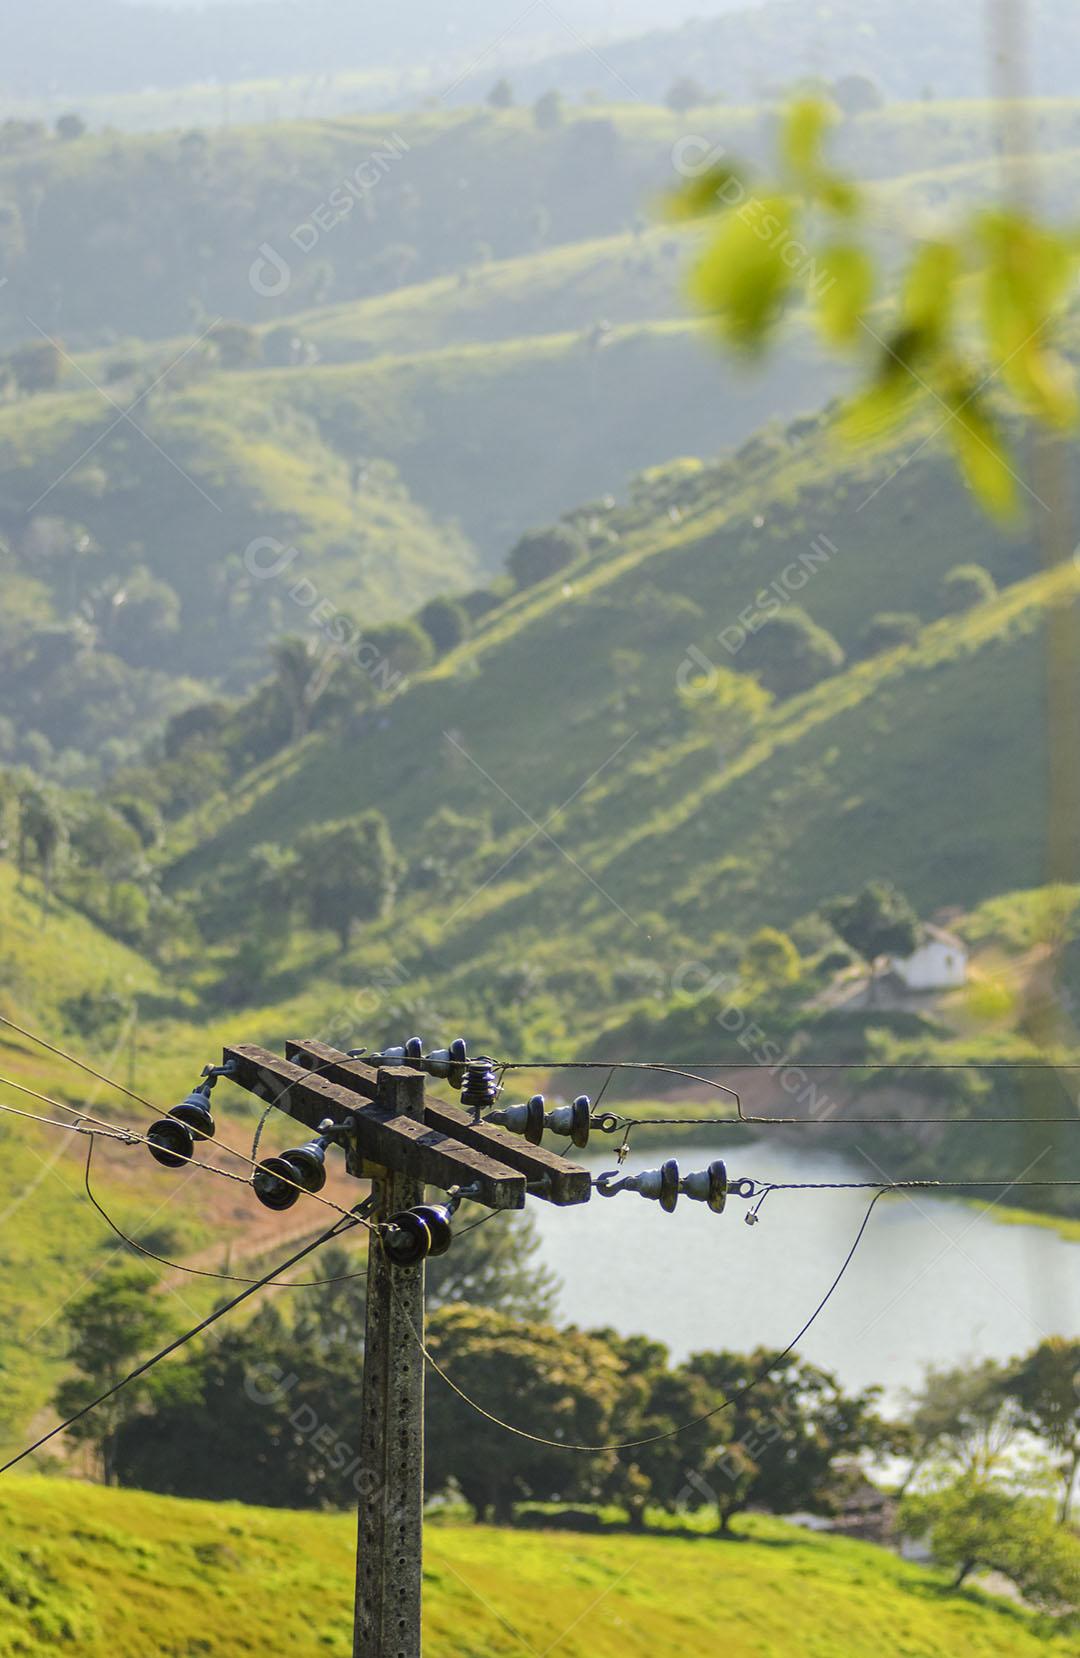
x=88 y=46
x=910 y=50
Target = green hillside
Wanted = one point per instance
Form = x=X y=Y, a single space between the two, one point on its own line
x=446 y=366
x=171 y=225
x=677 y=829
x=90 y=1572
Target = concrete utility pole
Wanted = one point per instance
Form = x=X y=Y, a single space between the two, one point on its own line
x=396 y=1137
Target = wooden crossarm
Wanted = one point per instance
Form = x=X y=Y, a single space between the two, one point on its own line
x=394 y=1140
x=552 y=1177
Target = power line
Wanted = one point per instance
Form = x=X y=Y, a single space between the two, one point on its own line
x=671 y=1433
x=742 y=1118
x=201 y=1272
x=132 y=1136
x=68 y=1128
x=148 y=1364
x=684 y=1067
x=72 y=1059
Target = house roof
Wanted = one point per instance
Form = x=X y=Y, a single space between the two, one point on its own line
x=929 y=934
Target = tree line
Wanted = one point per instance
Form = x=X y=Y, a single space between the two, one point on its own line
x=268 y=1412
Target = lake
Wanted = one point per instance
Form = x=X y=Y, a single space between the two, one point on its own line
x=933 y=1281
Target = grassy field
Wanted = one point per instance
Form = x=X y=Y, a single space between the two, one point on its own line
x=92 y=1572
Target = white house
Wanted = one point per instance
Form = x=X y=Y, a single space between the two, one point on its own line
x=938 y=962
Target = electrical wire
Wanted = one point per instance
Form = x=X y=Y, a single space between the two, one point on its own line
x=134 y=1137
x=201 y=1272
x=650 y=1439
x=148 y=1364
x=61 y=1053
x=684 y=1067
x=742 y=1118
x=69 y=1128
x=130 y=1136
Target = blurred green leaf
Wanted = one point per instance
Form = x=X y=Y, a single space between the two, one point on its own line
x=928 y=293
x=981 y=452
x=847 y=274
x=1028 y=274
x=806 y=121
x=896 y=382
x=743 y=278
x=711 y=191
x=838 y=194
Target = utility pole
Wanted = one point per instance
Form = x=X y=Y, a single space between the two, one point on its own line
x=402 y=1141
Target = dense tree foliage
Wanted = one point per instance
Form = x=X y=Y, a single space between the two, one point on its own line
x=789 y=652
x=346 y=872
x=877 y=921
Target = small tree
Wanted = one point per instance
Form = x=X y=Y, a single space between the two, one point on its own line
x=961 y=1420
x=794 y=1433
x=543 y=553
x=143 y=618
x=856 y=94
x=446 y=623
x=547 y=111
x=771 y=958
x=69 y=127
x=685 y=93
x=877 y=921
x=887 y=630
x=501 y=95
x=36 y=366
x=978 y=1524
x=347 y=872
x=563 y=1383
x=789 y=652
x=403 y=648
x=43 y=836
x=1046 y=1385
x=967 y=585
x=111 y=1326
x=237 y=345
x=299 y=680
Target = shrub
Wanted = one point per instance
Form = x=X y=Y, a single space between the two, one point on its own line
x=789 y=652
x=967 y=585
x=887 y=630
x=543 y=553
x=446 y=623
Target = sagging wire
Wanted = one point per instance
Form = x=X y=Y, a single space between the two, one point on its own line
x=350 y=1219
x=650 y=1439
x=200 y=1272
x=132 y=1134
x=61 y=1053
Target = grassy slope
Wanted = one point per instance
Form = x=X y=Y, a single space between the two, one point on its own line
x=51 y=1241
x=944 y=735
x=484 y=393
x=92 y=1572
x=495 y=438
x=48 y=1236
x=247 y=475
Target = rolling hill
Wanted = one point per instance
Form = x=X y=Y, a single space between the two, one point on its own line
x=908 y=51
x=673 y=829
x=89 y=1571
x=172 y=228
x=400 y=439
